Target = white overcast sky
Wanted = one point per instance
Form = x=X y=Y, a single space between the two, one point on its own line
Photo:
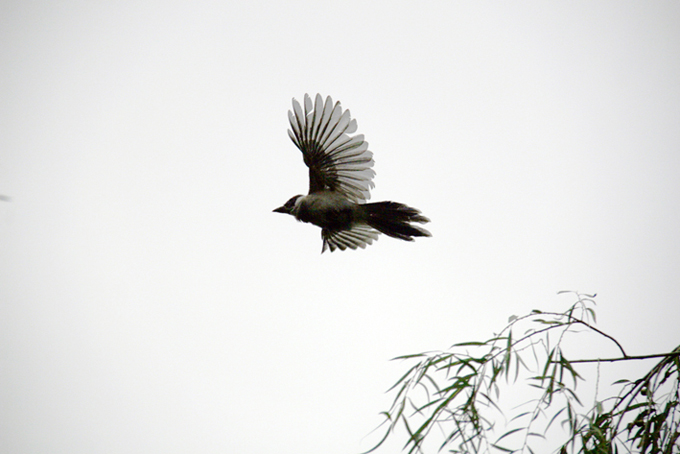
x=151 y=302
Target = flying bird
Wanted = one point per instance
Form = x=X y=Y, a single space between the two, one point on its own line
x=340 y=180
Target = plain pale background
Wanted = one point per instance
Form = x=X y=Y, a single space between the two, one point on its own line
x=151 y=302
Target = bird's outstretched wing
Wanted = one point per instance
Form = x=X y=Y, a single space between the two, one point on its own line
x=337 y=160
x=358 y=236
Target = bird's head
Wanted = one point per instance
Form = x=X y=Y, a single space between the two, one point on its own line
x=289 y=206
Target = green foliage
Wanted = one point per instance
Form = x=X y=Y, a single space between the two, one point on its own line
x=452 y=400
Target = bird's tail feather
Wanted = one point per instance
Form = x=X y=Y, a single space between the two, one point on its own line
x=394 y=219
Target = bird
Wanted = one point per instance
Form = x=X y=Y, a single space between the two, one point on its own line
x=340 y=180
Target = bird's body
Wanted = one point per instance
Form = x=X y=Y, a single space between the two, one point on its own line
x=328 y=210
x=340 y=179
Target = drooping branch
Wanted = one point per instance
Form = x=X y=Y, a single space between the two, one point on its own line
x=623 y=352
x=473 y=377
x=625 y=358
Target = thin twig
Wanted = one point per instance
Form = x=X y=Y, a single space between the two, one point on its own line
x=625 y=358
x=602 y=333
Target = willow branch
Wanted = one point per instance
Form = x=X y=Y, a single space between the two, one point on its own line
x=625 y=358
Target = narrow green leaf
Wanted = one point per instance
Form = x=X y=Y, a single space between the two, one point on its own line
x=634 y=407
x=508 y=433
x=502 y=448
x=403 y=377
x=469 y=344
x=414 y=355
x=520 y=415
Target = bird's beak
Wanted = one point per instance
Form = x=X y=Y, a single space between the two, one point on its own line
x=281 y=209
